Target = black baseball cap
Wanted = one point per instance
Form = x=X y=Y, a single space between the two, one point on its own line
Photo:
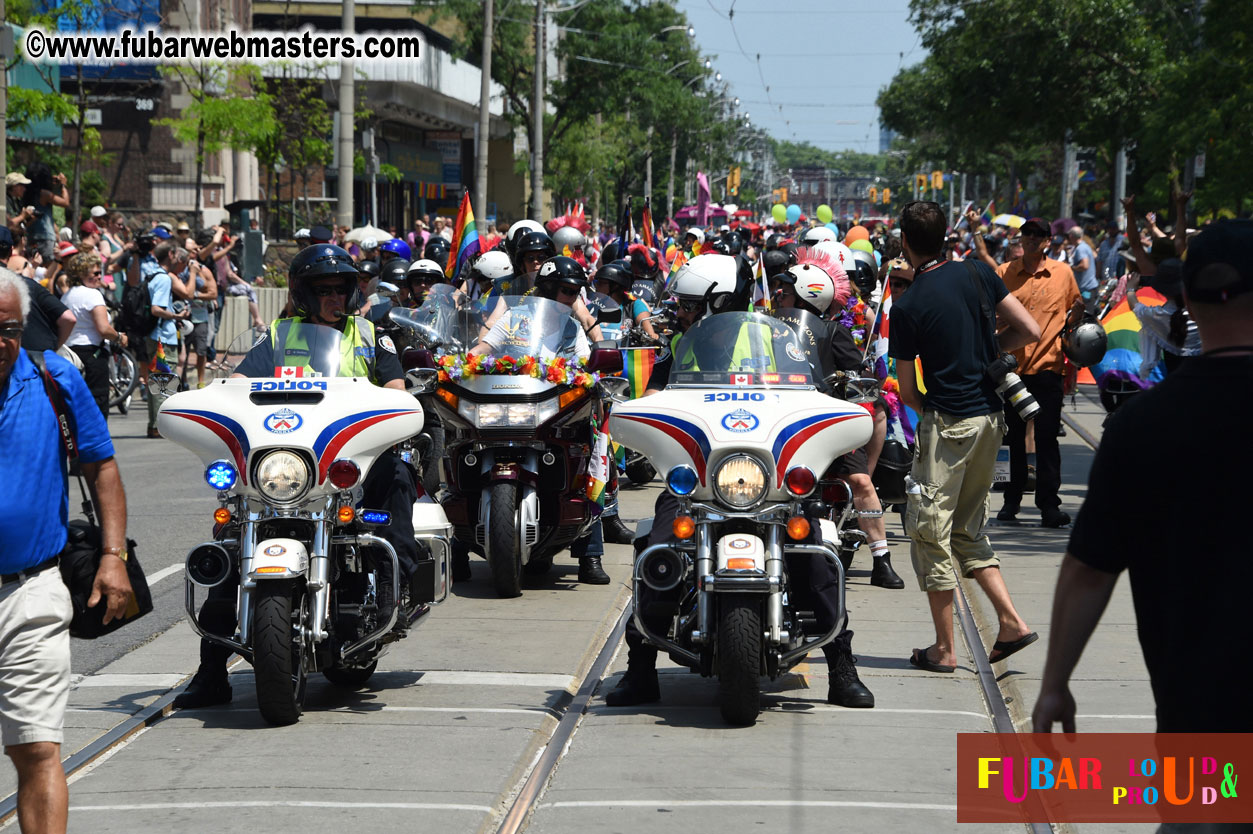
x=1218 y=264
x=6 y=237
x=1036 y=226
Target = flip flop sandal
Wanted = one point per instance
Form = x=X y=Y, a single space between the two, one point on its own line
x=919 y=660
x=1006 y=649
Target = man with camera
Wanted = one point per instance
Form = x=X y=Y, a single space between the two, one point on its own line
x=948 y=321
x=1048 y=290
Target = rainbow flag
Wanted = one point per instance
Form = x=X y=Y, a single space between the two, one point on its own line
x=988 y=214
x=465 y=239
x=1122 y=354
x=158 y=363
x=638 y=368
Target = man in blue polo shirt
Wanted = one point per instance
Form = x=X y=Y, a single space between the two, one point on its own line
x=35 y=606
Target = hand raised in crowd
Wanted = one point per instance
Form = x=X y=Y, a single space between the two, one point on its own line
x=1129 y=203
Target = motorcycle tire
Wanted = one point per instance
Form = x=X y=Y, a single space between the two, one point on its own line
x=503 y=549
x=123 y=377
x=640 y=471
x=278 y=652
x=739 y=659
x=431 y=466
x=350 y=678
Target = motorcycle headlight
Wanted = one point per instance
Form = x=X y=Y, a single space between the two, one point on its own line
x=503 y=415
x=283 y=477
x=740 y=481
x=521 y=414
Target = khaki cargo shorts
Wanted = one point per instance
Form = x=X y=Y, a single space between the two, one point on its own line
x=954 y=462
x=34 y=658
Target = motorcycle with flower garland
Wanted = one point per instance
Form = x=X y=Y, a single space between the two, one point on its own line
x=518 y=414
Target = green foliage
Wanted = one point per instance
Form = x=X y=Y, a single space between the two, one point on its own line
x=227 y=109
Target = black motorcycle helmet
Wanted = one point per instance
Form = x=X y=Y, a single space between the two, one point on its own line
x=776 y=261
x=616 y=273
x=319 y=261
x=557 y=273
x=394 y=272
x=1085 y=343
x=774 y=241
x=533 y=241
x=437 y=249
x=611 y=253
x=735 y=243
x=719 y=246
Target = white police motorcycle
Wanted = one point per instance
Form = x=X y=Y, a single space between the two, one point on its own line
x=741 y=434
x=286 y=458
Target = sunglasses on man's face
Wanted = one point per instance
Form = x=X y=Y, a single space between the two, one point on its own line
x=325 y=292
x=11 y=330
x=567 y=291
x=692 y=306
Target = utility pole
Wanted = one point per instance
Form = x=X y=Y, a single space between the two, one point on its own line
x=674 y=149
x=343 y=211
x=371 y=171
x=537 y=132
x=648 y=164
x=1120 y=185
x=1068 y=177
x=485 y=100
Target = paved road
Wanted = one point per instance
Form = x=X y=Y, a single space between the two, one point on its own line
x=447 y=731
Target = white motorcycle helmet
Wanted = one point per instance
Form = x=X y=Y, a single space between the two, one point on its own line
x=816 y=235
x=819 y=279
x=842 y=254
x=567 y=236
x=710 y=278
x=696 y=232
x=425 y=267
x=517 y=230
x=491 y=266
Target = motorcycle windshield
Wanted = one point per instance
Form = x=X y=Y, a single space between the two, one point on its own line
x=533 y=326
x=740 y=349
x=448 y=321
x=307 y=349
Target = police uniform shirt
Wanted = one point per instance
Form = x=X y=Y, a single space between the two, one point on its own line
x=262 y=359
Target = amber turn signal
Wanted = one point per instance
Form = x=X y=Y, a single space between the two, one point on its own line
x=741 y=563
x=797 y=527
x=684 y=527
x=221 y=515
x=345 y=514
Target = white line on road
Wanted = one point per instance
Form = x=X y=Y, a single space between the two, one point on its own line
x=458 y=678
x=490 y=710
x=164 y=572
x=744 y=803
x=810 y=707
x=277 y=803
x=1133 y=717
x=144 y=681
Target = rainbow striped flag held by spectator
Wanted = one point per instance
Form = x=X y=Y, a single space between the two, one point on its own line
x=988 y=214
x=637 y=367
x=158 y=363
x=465 y=238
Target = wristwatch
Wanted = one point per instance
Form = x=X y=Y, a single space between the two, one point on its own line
x=119 y=552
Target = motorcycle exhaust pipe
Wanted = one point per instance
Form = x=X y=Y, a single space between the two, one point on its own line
x=663 y=569
x=208 y=565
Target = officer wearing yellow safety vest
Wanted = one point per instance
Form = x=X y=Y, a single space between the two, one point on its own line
x=324 y=338
x=706 y=285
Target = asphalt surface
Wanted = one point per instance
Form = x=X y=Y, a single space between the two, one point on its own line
x=444 y=735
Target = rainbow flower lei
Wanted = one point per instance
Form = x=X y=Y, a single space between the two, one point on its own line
x=559 y=370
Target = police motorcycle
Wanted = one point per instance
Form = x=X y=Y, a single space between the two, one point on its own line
x=287 y=457
x=742 y=433
x=516 y=417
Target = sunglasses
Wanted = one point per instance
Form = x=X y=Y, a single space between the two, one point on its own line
x=692 y=306
x=11 y=330
x=566 y=291
x=325 y=292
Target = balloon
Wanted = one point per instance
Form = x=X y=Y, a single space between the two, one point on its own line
x=793 y=213
x=863 y=244
x=824 y=213
x=856 y=233
x=878 y=258
x=779 y=212
x=834 y=228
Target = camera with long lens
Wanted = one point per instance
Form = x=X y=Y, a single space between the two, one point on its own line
x=145 y=243
x=1011 y=387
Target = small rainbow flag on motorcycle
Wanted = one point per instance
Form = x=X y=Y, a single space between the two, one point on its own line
x=638 y=367
x=598 y=466
x=158 y=363
x=465 y=239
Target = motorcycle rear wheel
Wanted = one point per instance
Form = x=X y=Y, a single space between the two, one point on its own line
x=279 y=651
x=739 y=659
x=350 y=678
x=503 y=548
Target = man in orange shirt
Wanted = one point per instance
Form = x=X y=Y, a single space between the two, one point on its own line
x=1048 y=290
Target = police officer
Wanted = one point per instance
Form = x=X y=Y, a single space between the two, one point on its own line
x=323 y=284
x=704 y=286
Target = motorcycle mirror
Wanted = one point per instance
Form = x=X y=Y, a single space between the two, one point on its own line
x=421 y=380
x=415 y=358
x=605 y=359
x=161 y=385
x=615 y=388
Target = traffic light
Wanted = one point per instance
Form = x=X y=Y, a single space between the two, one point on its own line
x=733 y=180
x=874 y=194
x=920 y=182
x=887 y=196
x=937 y=180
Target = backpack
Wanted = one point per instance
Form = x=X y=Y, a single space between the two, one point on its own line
x=136 y=310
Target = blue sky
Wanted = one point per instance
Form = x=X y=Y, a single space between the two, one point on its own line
x=823 y=60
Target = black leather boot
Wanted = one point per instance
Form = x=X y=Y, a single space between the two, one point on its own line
x=209 y=686
x=639 y=685
x=883 y=575
x=846 y=688
x=460 y=564
x=591 y=572
x=615 y=531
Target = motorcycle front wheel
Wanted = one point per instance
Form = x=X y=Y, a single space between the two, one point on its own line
x=739 y=659
x=504 y=552
x=279 y=650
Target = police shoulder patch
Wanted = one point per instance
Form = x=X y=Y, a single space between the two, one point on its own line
x=385 y=342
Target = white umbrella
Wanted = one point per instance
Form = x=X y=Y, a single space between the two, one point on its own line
x=362 y=232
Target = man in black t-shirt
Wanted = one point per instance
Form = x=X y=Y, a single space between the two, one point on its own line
x=49 y=323
x=1189 y=581
x=942 y=321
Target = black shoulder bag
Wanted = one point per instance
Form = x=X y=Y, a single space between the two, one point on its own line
x=85 y=544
